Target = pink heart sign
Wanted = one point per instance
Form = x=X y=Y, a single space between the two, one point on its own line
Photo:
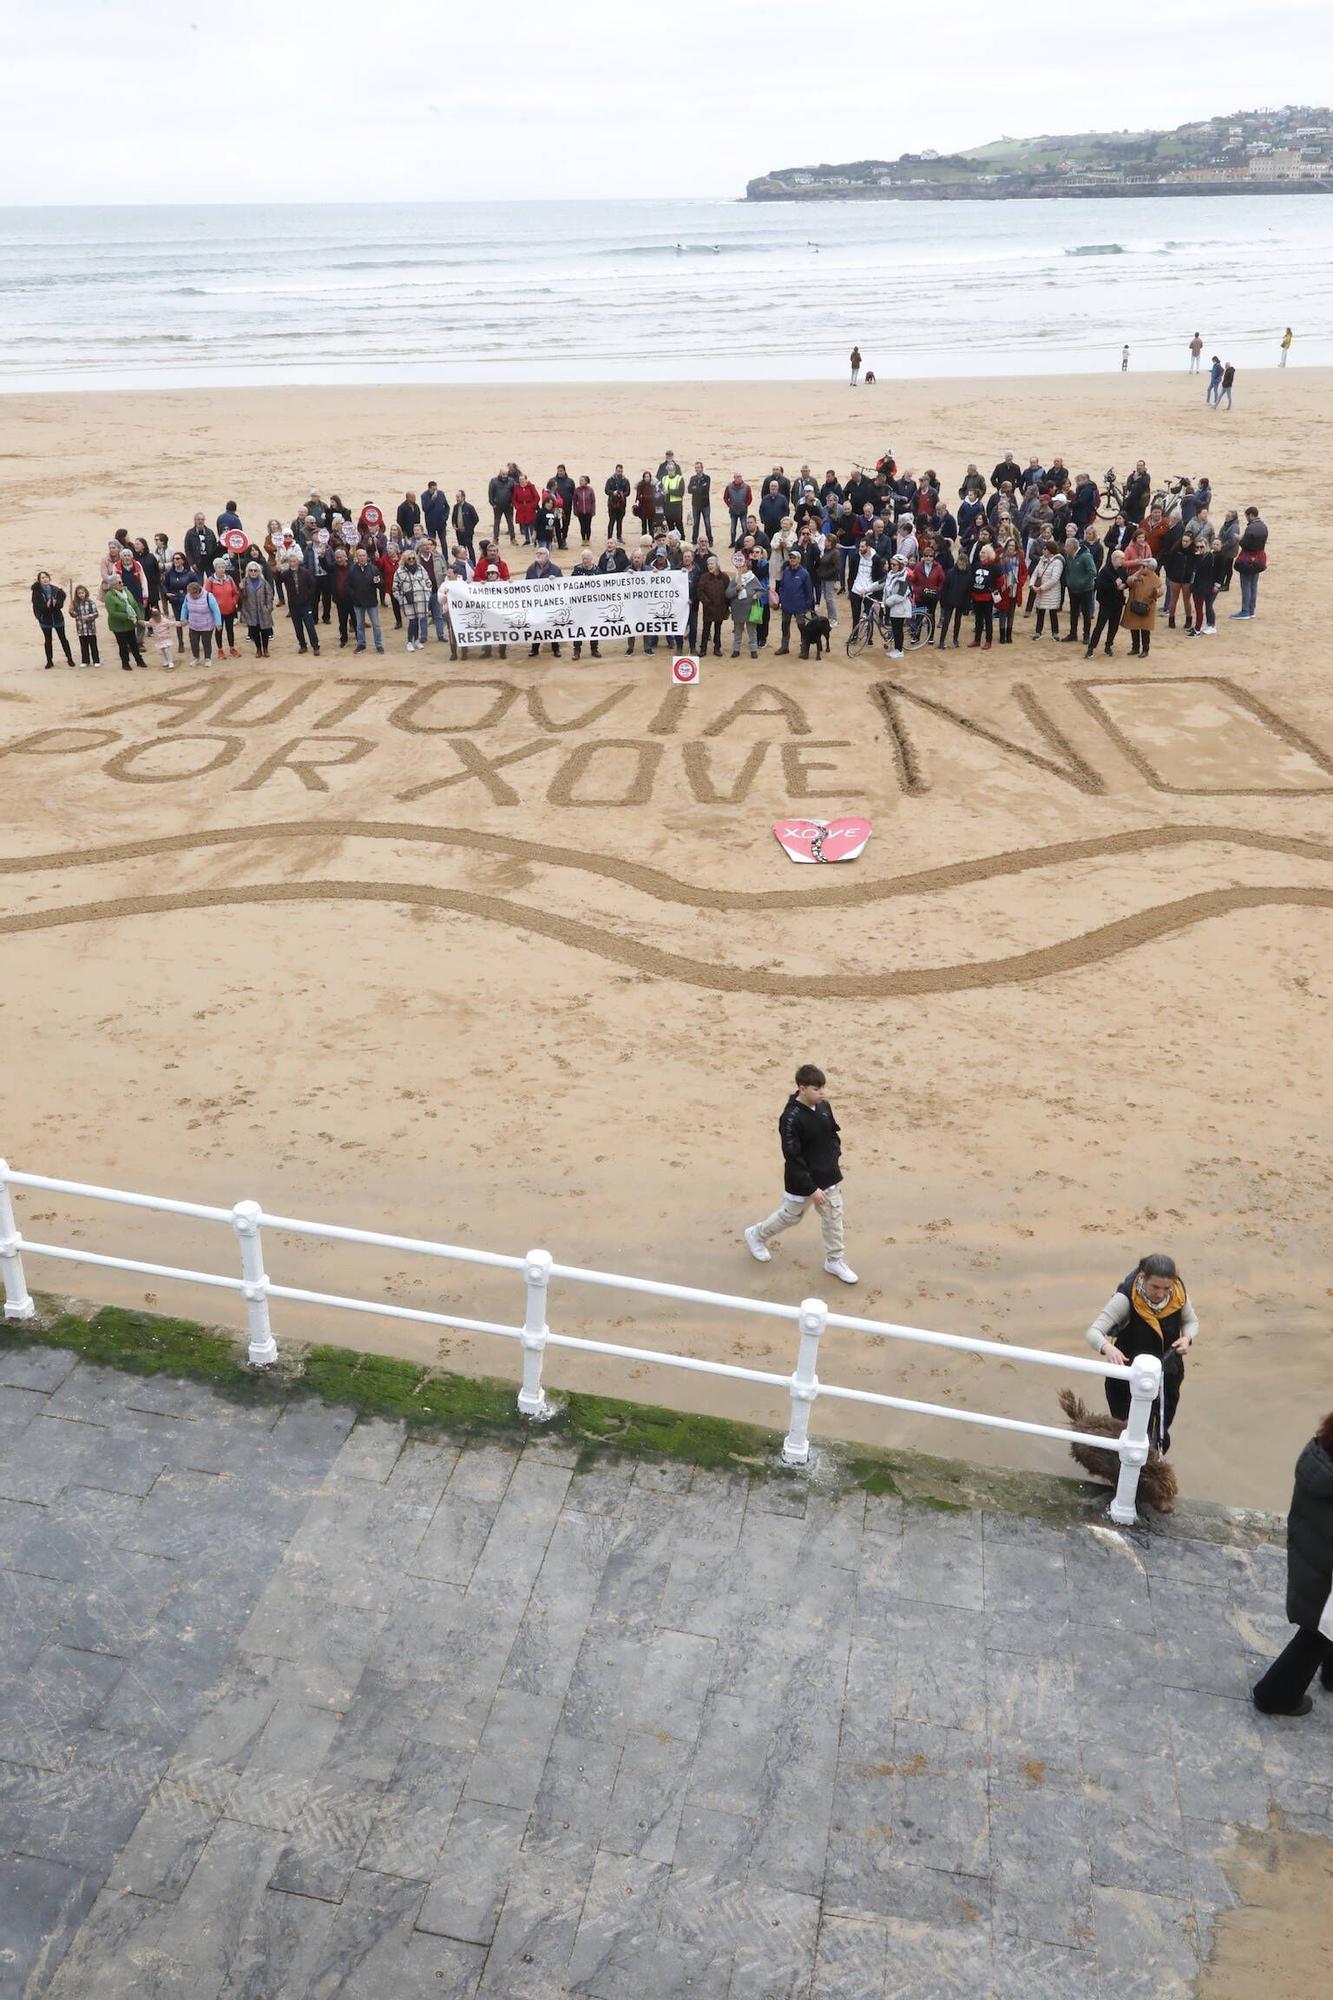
x=822 y=839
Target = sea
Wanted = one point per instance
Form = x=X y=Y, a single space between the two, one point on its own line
x=699 y=290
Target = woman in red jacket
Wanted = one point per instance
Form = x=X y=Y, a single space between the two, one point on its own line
x=386 y=561
x=491 y=568
x=985 y=572
x=526 y=502
x=645 y=502
x=224 y=589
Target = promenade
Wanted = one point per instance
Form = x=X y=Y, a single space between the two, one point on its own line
x=296 y=1706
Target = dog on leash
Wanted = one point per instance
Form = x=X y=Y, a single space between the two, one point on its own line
x=1158 y=1485
x=815 y=633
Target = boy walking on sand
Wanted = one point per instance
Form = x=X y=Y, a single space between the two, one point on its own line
x=811 y=1149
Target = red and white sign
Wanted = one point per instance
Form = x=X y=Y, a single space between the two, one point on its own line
x=822 y=839
x=685 y=670
x=235 y=541
x=372 y=517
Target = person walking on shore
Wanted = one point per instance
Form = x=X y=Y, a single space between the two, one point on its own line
x=1285 y=344
x=1148 y=1313
x=1214 y=380
x=1283 y=1690
x=48 y=608
x=856 y=364
x=1225 y=386
x=1124 y=359
x=812 y=1174
x=1196 y=350
x=1251 y=562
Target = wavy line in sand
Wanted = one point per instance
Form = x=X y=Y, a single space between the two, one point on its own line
x=835 y=894
x=1070 y=955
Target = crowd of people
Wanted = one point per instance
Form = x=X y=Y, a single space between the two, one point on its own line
x=892 y=543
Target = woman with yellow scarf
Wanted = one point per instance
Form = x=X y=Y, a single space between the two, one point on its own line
x=1149 y=1313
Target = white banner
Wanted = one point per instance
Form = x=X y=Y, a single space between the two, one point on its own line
x=637 y=603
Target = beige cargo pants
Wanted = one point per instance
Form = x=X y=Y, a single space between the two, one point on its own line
x=794 y=1207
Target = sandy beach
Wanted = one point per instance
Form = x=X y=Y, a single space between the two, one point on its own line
x=505 y=953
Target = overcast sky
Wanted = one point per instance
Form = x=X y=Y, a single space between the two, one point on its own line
x=107 y=101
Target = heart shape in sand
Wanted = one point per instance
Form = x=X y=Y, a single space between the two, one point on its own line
x=822 y=839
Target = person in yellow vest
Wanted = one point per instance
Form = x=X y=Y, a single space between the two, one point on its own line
x=673 y=495
x=1287 y=339
x=1148 y=1313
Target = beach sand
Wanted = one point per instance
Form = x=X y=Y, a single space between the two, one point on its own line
x=1072 y=1001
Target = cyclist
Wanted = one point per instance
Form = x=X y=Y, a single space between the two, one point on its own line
x=867 y=581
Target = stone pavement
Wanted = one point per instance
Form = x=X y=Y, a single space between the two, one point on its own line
x=291 y=1708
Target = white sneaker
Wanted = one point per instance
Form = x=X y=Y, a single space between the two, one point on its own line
x=838 y=1267
x=411 y=645
x=757 y=1248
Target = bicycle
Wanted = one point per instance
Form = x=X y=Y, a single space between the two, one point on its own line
x=1113 y=496
x=921 y=627
x=873 y=624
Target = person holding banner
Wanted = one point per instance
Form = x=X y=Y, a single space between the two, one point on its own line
x=543 y=567
x=585 y=566
x=491 y=568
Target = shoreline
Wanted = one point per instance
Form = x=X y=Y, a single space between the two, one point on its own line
x=1136 y=191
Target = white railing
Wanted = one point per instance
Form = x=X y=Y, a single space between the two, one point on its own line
x=803 y=1386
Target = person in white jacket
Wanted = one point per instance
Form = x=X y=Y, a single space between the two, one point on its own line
x=898 y=603
x=1047 y=578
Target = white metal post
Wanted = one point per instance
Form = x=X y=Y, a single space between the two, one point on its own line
x=18 y=1299
x=805 y=1382
x=245 y=1221
x=537 y=1275
x=1145 y=1382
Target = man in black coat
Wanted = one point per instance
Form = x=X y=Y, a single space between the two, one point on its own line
x=811 y=1177
x=202 y=547
x=1282 y=1690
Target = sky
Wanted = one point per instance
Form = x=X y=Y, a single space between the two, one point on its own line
x=113 y=102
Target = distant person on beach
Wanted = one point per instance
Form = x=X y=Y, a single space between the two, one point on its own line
x=1124 y=358
x=1214 y=380
x=1283 y=1690
x=1285 y=345
x=1196 y=350
x=1226 y=385
x=48 y=608
x=856 y=365
x=812 y=1174
x=1148 y=1313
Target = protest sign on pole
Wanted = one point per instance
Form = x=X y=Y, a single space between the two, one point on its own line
x=685 y=670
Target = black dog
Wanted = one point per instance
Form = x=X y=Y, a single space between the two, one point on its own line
x=814 y=632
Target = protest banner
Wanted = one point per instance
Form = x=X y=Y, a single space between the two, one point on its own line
x=635 y=604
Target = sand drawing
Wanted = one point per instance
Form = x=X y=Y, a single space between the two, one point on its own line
x=1086 y=948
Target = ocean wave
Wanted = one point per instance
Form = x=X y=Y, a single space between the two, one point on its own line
x=1096 y=250
x=684 y=249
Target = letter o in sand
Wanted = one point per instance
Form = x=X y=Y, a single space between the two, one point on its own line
x=125 y=762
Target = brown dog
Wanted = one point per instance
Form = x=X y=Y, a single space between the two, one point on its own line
x=1158 y=1486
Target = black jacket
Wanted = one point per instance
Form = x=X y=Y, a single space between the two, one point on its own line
x=1310 y=1538
x=811 y=1147
x=201 y=548
x=363 y=585
x=48 y=612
